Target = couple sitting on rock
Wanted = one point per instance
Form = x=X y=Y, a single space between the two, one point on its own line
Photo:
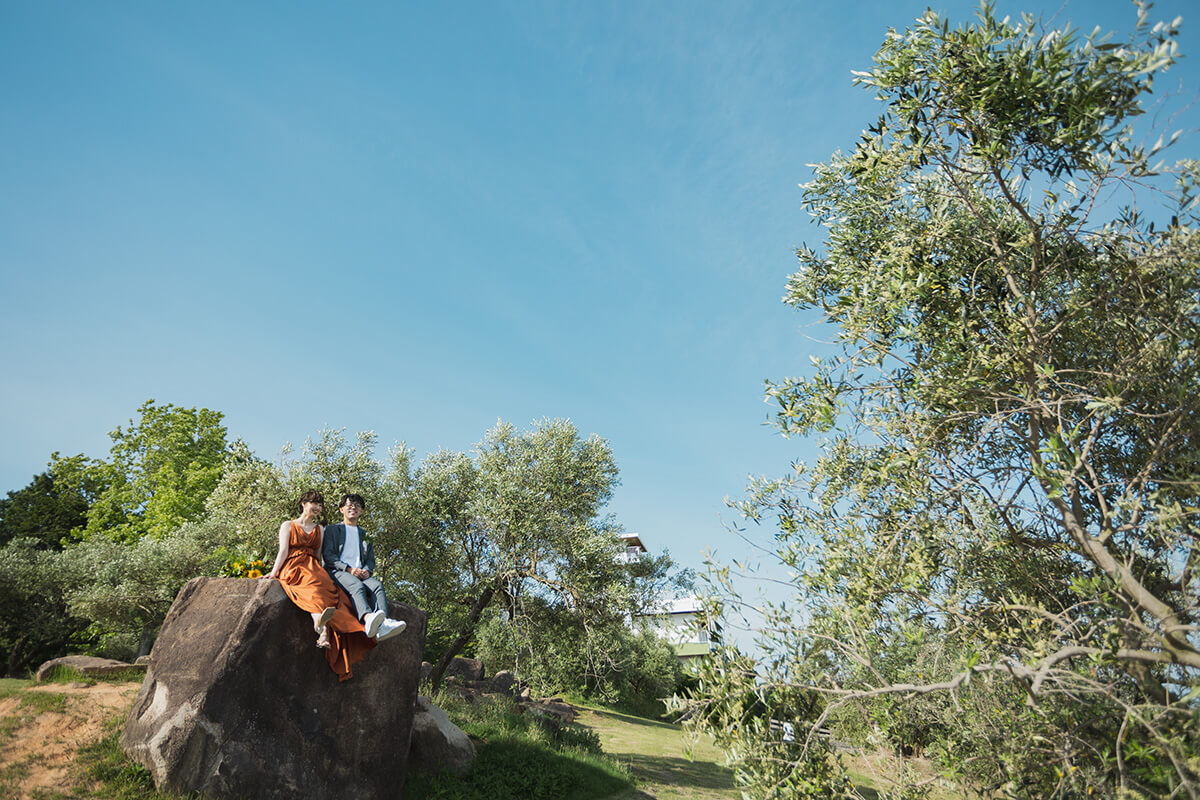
x=346 y=627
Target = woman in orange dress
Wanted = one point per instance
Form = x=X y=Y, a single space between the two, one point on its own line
x=298 y=568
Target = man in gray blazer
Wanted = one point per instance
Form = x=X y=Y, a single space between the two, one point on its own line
x=350 y=559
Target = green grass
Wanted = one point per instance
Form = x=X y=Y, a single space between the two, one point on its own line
x=68 y=675
x=646 y=709
x=664 y=759
x=44 y=702
x=519 y=758
x=29 y=705
x=104 y=772
x=511 y=768
x=9 y=726
x=670 y=765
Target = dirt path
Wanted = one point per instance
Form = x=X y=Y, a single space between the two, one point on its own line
x=42 y=726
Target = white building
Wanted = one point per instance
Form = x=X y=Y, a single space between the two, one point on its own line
x=634 y=550
x=681 y=621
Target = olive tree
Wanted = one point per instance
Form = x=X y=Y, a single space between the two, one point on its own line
x=125 y=589
x=995 y=557
x=36 y=623
x=521 y=525
x=255 y=495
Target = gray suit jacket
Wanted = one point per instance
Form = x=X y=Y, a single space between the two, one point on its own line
x=335 y=540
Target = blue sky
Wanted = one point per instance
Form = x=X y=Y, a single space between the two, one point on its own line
x=420 y=218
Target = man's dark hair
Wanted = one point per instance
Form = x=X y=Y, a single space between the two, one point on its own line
x=353 y=498
x=311 y=496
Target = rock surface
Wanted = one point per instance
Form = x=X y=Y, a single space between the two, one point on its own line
x=238 y=702
x=469 y=669
x=503 y=682
x=555 y=712
x=438 y=745
x=87 y=666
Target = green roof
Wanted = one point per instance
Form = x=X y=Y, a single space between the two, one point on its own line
x=692 y=649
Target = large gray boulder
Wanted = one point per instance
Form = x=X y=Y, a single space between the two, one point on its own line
x=239 y=703
x=438 y=745
x=87 y=666
x=468 y=669
x=503 y=682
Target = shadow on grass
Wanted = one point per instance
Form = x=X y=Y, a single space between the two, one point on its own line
x=678 y=771
x=673 y=771
x=629 y=719
x=513 y=769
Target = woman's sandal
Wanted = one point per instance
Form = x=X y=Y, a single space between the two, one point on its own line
x=326 y=615
x=321 y=627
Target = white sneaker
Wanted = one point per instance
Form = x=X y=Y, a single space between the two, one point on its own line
x=390 y=628
x=372 y=620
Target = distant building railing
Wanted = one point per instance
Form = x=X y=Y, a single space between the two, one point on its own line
x=630 y=555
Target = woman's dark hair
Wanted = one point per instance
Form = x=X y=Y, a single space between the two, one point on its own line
x=353 y=498
x=311 y=496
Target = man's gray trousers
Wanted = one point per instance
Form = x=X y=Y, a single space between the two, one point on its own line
x=367 y=595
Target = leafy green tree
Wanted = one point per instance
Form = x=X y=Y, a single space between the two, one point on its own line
x=162 y=469
x=440 y=549
x=521 y=523
x=1010 y=480
x=556 y=649
x=36 y=623
x=46 y=511
x=254 y=495
x=124 y=589
x=251 y=499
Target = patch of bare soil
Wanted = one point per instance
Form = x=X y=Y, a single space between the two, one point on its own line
x=37 y=747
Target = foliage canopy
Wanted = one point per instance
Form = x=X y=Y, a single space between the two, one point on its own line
x=162 y=469
x=1004 y=518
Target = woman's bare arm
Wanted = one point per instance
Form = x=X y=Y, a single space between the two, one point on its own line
x=281 y=556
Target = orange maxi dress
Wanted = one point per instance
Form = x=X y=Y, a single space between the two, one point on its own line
x=311 y=588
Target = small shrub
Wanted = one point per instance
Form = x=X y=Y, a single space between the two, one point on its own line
x=576 y=737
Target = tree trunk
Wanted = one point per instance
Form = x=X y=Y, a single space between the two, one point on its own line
x=464 y=636
x=145 y=644
x=16 y=661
